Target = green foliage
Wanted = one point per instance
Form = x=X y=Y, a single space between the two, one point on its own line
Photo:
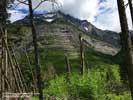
x=97 y=59
x=100 y=82
x=88 y=86
x=57 y=87
x=124 y=96
x=93 y=85
x=35 y=98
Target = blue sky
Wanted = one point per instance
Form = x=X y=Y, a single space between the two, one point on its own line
x=101 y=13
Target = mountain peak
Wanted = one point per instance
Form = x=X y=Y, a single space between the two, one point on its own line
x=107 y=36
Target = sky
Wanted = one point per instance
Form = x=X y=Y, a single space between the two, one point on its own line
x=101 y=13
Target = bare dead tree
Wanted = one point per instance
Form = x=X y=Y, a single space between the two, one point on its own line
x=82 y=66
x=127 y=45
x=3 y=17
x=68 y=68
x=37 y=64
x=34 y=34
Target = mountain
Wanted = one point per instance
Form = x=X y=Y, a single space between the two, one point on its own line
x=58 y=39
x=60 y=31
x=105 y=35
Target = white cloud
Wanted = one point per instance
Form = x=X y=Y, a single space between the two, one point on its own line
x=16 y=15
x=85 y=9
x=108 y=18
x=101 y=13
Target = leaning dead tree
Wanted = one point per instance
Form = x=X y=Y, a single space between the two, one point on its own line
x=3 y=55
x=127 y=45
x=11 y=78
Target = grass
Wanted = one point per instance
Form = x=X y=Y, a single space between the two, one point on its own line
x=35 y=98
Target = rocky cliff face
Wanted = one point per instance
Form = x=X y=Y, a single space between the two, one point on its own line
x=105 y=35
x=63 y=33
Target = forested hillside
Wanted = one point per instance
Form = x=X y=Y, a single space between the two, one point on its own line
x=56 y=56
x=59 y=47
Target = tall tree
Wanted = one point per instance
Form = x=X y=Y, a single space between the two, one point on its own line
x=37 y=64
x=127 y=45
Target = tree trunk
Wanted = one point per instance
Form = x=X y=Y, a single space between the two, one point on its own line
x=81 y=55
x=3 y=54
x=127 y=45
x=68 y=68
x=38 y=68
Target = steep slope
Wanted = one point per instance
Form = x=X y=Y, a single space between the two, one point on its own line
x=56 y=40
x=105 y=35
x=63 y=33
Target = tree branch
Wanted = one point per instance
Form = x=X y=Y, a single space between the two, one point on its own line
x=54 y=1
x=39 y=4
x=23 y=2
